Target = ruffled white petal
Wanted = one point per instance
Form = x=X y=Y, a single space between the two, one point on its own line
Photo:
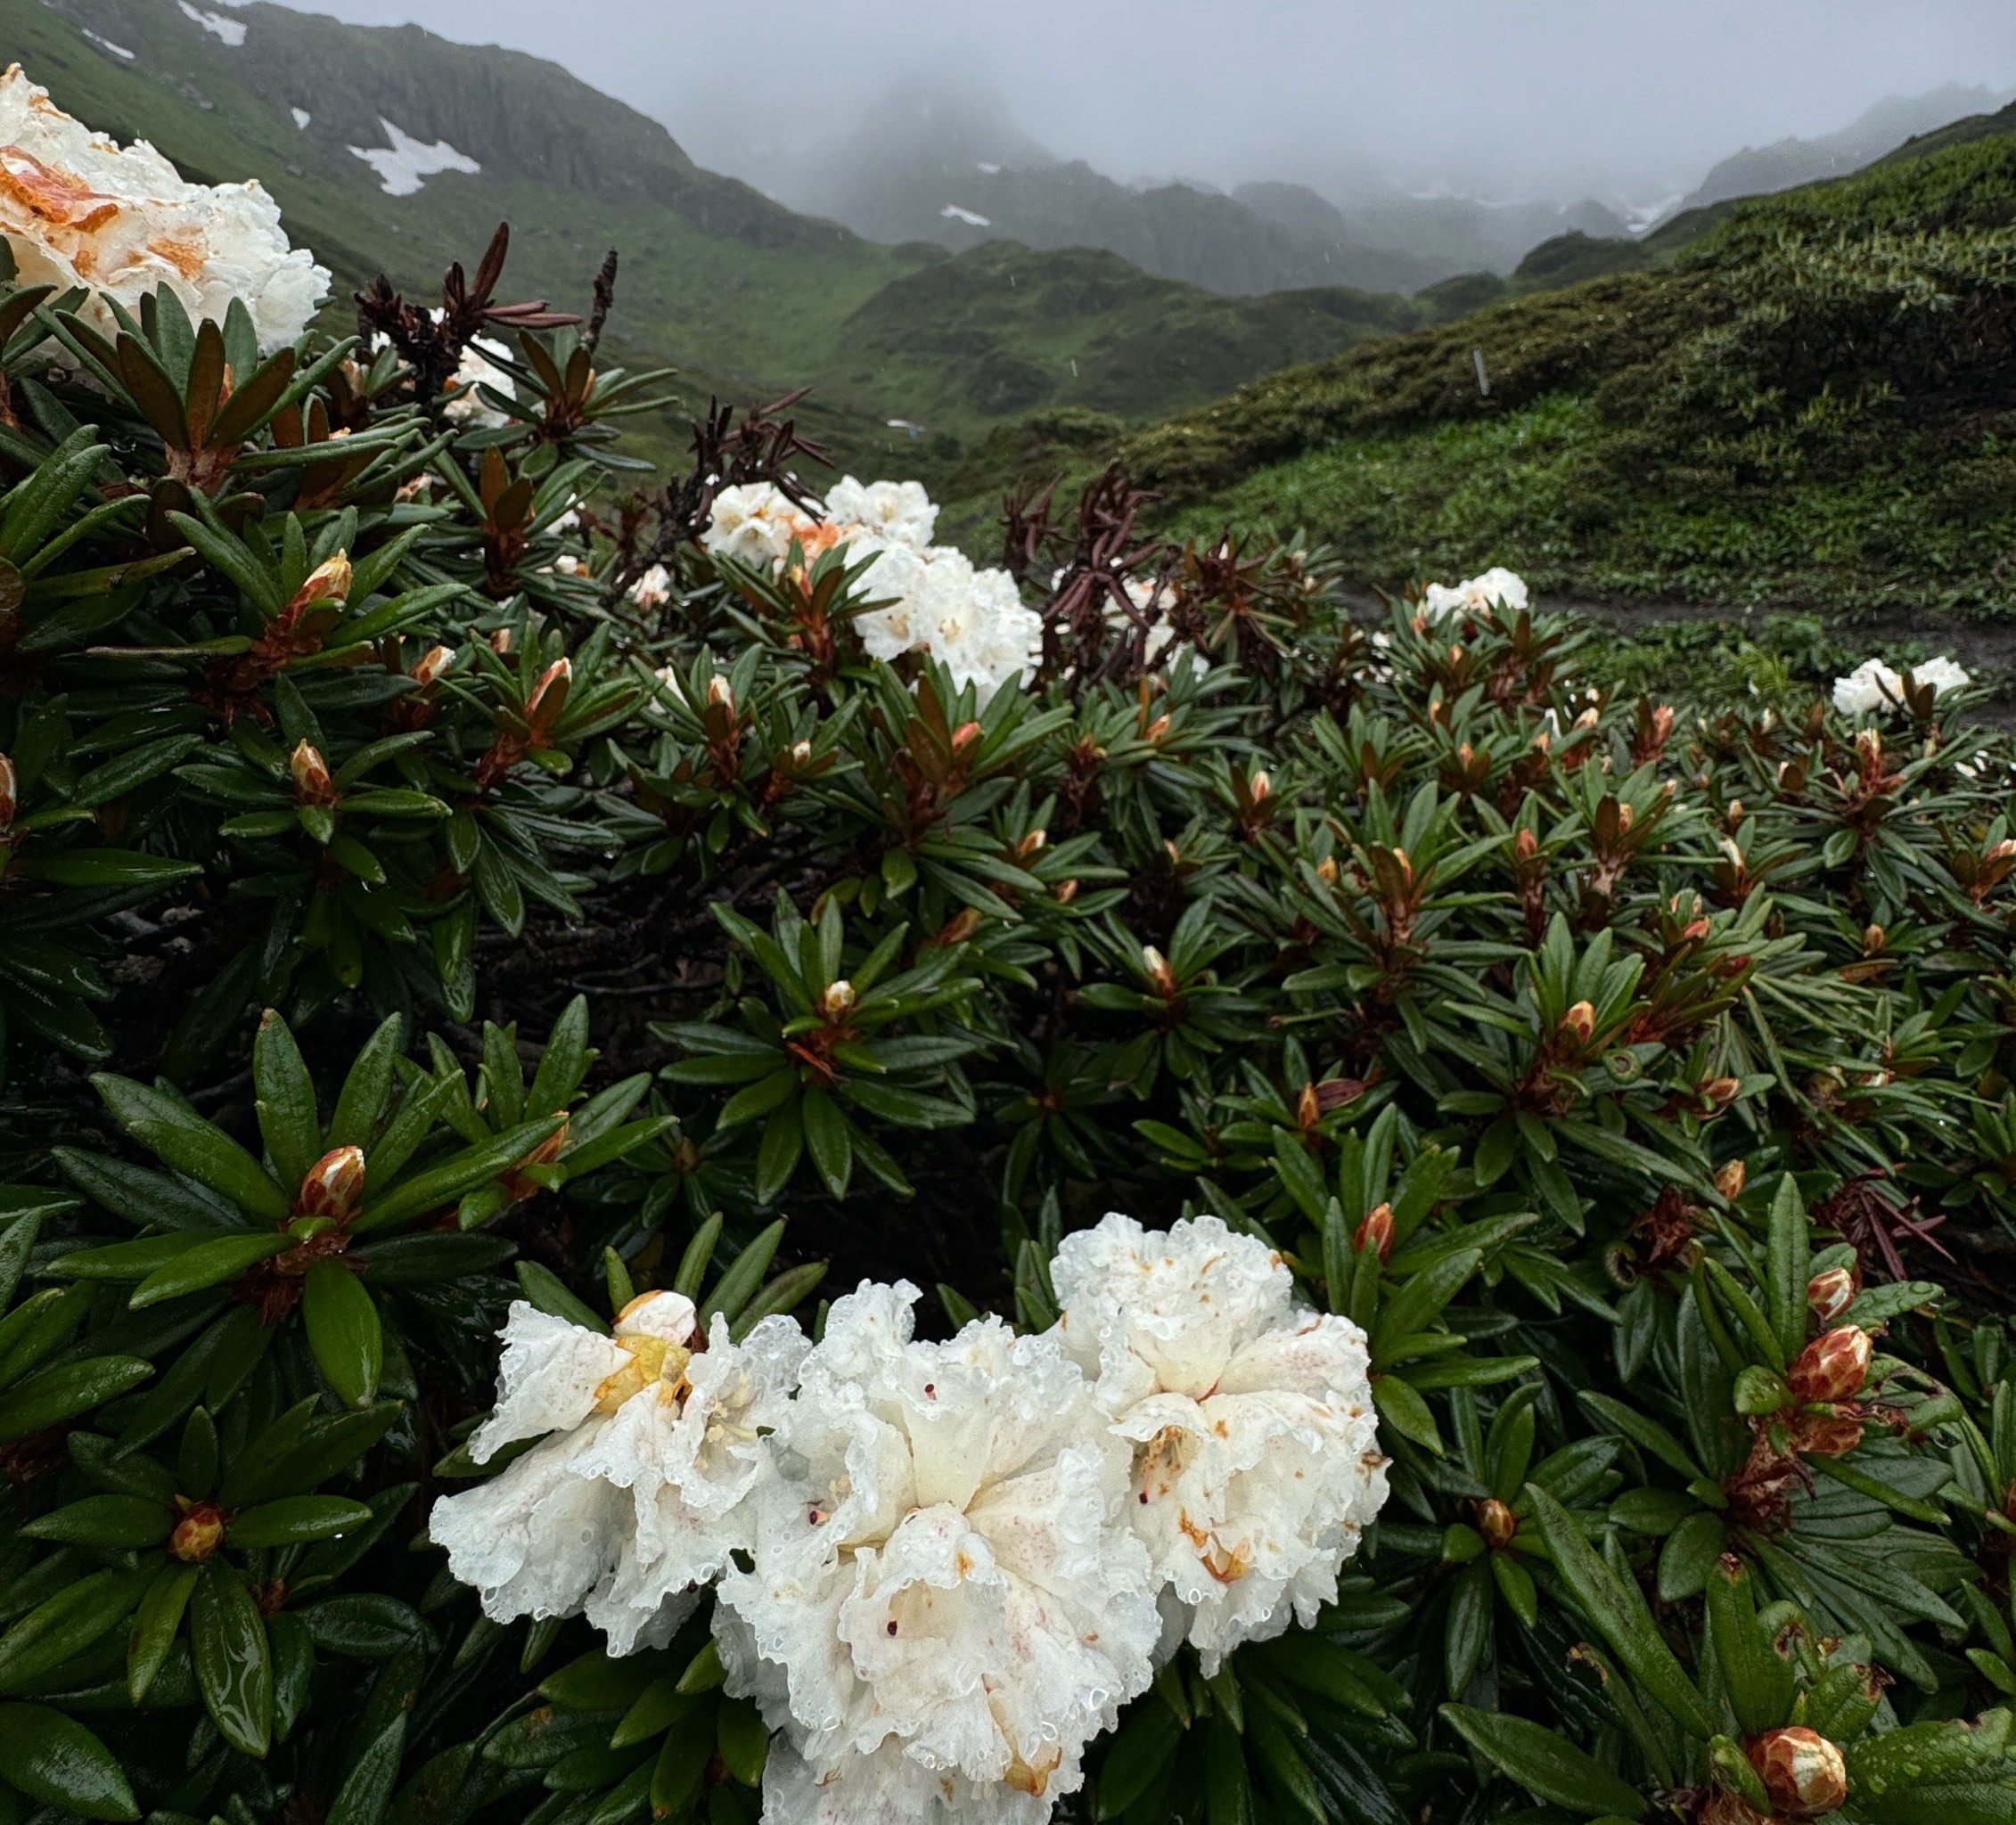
x=1164 y=1309
x=633 y=1499
x=1872 y=686
x=536 y=1539
x=76 y=208
x=946 y=1604
x=888 y=1787
x=1255 y=1459
x=546 y=1380
x=898 y=512
x=691 y=1464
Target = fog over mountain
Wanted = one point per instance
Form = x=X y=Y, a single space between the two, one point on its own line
x=1624 y=100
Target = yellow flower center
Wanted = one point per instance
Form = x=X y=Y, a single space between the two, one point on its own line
x=654 y=1362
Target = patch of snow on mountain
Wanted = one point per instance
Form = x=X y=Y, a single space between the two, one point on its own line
x=1642 y=218
x=119 y=51
x=991 y=170
x=405 y=165
x=952 y=212
x=301 y=117
x=231 y=30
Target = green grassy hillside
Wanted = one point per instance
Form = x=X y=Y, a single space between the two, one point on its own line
x=1004 y=329
x=1813 y=404
x=743 y=295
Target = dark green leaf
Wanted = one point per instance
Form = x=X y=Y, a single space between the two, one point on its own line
x=1545 y=1762
x=54 y=1758
x=234 y=1668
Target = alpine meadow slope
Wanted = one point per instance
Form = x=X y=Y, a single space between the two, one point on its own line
x=1803 y=400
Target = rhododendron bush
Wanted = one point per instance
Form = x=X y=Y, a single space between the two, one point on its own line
x=670 y=1152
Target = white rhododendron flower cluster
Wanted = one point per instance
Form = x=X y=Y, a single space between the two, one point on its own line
x=653 y=589
x=947 y=1602
x=640 y=1491
x=77 y=209
x=1476 y=595
x=755 y=522
x=1873 y=686
x=1153 y=604
x=935 y=601
x=896 y=512
x=941 y=1568
x=930 y=599
x=479 y=368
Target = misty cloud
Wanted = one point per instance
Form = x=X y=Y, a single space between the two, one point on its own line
x=1563 y=98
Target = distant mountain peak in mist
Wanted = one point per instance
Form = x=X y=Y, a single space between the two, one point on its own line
x=945 y=160
x=963 y=126
x=1881 y=128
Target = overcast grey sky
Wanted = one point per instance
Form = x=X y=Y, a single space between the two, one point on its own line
x=1550 y=97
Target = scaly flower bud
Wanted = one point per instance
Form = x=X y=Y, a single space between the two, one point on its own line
x=1497 y=1523
x=1826 y=1435
x=1730 y=1179
x=1033 y=842
x=959 y=928
x=1067 y=891
x=801 y=752
x=328 y=582
x=198 y=1534
x=1326 y=871
x=1833 y=1367
x=549 y=695
x=500 y=640
x=1157 y=968
x=1376 y=1231
x=838 y=999
x=1831 y=1294
x=1259 y=787
x=964 y=736
x=10 y=793
x=1308 y=1110
x=1805 y=1774
x=435 y=661
x=1579 y=1023
x=1873 y=939
x=331 y=1186
x=721 y=693
x=312 y=783
x=1526 y=845
x=515 y=1178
